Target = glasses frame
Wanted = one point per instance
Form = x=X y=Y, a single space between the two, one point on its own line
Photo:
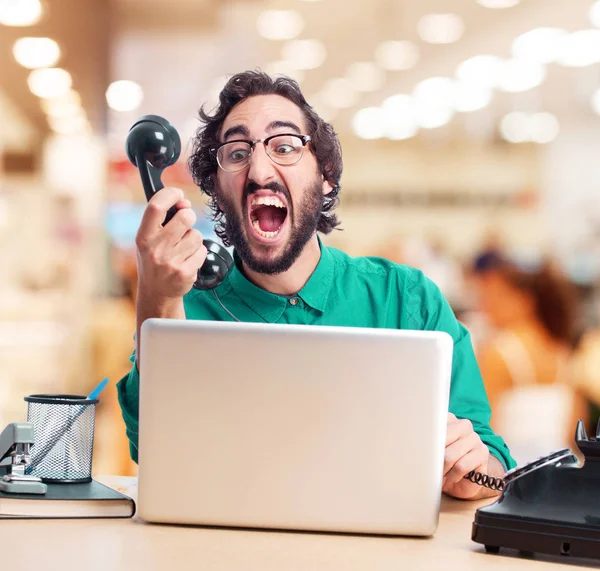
x=252 y=143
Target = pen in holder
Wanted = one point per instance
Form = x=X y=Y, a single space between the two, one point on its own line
x=63 y=427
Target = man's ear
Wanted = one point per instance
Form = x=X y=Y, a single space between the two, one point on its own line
x=327 y=188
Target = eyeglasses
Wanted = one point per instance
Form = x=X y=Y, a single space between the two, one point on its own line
x=285 y=149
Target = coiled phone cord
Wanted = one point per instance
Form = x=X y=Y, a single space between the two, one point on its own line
x=486 y=481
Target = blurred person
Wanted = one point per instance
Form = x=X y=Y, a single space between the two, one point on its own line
x=271 y=168
x=527 y=364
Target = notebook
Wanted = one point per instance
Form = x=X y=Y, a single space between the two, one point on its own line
x=89 y=500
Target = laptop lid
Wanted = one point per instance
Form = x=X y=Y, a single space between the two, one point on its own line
x=292 y=427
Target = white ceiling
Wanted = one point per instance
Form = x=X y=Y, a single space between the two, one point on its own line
x=178 y=67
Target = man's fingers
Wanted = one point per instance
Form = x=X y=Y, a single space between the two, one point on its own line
x=472 y=461
x=185 y=203
x=188 y=245
x=195 y=261
x=457 y=428
x=157 y=208
x=179 y=225
x=457 y=450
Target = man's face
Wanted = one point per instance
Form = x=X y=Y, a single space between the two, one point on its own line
x=271 y=210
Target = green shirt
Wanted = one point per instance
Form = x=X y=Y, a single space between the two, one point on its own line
x=352 y=292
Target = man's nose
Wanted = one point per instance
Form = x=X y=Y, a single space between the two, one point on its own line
x=261 y=169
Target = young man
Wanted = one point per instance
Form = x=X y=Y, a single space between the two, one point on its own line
x=271 y=167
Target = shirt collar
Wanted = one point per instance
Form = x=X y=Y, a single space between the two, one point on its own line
x=316 y=290
x=270 y=306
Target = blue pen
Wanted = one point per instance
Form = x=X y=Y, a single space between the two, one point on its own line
x=96 y=392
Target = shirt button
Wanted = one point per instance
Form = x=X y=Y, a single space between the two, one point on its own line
x=294 y=301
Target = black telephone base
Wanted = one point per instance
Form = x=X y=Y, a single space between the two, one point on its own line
x=529 y=535
x=550 y=505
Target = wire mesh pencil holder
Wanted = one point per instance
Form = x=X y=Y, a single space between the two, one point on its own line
x=63 y=427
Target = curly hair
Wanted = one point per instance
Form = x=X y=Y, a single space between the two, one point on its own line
x=324 y=141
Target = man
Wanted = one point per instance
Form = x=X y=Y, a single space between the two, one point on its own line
x=271 y=167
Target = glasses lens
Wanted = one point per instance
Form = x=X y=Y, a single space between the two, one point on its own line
x=285 y=149
x=234 y=156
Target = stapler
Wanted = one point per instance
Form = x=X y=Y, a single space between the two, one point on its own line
x=15 y=444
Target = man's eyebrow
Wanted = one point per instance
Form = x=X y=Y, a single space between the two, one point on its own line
x=236 y=130
x=284 y=124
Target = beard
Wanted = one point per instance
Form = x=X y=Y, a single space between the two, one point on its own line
x=304 y=219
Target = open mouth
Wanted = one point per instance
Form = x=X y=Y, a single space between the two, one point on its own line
x=267 y=215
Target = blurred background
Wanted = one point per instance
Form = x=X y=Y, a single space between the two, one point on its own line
x=470 y=135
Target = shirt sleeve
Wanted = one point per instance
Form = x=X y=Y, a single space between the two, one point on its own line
x=128 y=391
x=425 y=308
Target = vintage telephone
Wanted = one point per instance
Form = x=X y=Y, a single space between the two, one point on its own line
x=152 y=145
x=16 y=441
x=551 y=505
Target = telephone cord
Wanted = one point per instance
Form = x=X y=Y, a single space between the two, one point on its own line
x=486 y=481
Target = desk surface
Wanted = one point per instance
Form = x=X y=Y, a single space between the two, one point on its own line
x=131 y=544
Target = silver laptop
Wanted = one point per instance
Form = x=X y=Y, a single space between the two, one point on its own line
x=292 y=427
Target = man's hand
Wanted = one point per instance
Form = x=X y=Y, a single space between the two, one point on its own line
x=465 y=452
x=169 y=256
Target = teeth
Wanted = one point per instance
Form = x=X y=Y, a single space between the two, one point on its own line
x=268 y=201
x=262 y=232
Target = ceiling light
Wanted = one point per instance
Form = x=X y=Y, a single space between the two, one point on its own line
x=514 y=127
x=596 y=102
x=58 y=108
x=441 y=28
x=284 y=67
x=366 y=76
x=397 y=55
x=399 y=117
x=49 y=82
x=435 y=91
x=280 y=24
x=368 y=123
x=580 y=49
x=516 y=76
x=339 y=93
x=480 y=70
x=544 y=127
x=34 y=53
x=20 y=12
x=124 y=95
x=594 y=14
x=58 y=105
x=540 y=45
x=304 y=54
x=433 y=101
x=433 y=117
x=68 y=125
x=498 y=4
x=469 y=97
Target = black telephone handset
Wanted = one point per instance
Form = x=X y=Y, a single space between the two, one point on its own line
x=152 y=145
x=550 y=505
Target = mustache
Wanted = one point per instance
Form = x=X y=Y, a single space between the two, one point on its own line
x=253 y=187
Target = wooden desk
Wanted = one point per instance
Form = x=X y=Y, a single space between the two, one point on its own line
x=131 y=545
